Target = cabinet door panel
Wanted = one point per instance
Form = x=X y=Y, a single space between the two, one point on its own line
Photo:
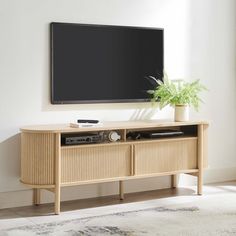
x=165 y=156
x=91 y=163
x=37 y=158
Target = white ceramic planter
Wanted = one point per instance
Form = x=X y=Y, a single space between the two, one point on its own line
x=181 y=112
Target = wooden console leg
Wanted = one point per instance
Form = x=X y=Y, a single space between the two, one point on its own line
x=36 y=196
x=199 y=183
x=121 y=189
x=58 y=174
x=57 y=201
x=174 y=181
x=200 y=160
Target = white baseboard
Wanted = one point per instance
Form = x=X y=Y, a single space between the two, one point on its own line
x=24 y=197
x=214 y=175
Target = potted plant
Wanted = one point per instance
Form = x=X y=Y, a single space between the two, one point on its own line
x=177 y=93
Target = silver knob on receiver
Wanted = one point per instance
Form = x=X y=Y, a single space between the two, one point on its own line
x=113 y=136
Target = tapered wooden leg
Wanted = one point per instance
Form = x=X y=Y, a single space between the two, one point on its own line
x=57 y=201
x=121 y=189
x=200 y=160
x=199 y=183
x=57 y=174
x=174 y=181
x=36 y=196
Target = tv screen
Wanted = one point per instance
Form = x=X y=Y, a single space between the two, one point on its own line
x=100 y=63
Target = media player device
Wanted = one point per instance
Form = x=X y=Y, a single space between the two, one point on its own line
x=83 y=138
x=87 y=121
x=152 y=134
x=161 y=133
x=134 y=135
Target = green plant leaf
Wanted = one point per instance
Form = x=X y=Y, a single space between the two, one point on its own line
x=177 y=92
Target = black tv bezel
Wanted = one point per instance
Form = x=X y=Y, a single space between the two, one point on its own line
x=53 y=101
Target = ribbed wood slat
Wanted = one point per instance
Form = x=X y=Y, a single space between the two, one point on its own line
x=79 y=164
x=168 y=156
x=37 y=158
x=200 y=159
x=205 y=146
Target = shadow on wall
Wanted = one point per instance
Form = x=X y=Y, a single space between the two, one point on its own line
x=133 y=111
x=10 y=163
x=144 y=113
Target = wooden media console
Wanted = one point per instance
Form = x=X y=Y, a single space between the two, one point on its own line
x=46 y=163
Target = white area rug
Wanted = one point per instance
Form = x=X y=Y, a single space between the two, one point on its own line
x=211 y=215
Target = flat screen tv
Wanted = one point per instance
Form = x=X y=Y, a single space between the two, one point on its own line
x=102 y=63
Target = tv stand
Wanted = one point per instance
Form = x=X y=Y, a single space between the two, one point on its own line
x=48 y=164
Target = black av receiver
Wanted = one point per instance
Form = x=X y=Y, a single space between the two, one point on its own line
x=83 y=138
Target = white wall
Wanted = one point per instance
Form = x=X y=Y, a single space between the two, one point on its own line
x=199 y=43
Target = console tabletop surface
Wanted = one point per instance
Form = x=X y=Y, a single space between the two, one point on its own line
x=108 y=125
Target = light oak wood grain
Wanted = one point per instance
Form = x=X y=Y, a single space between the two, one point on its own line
x=91 y=163
x=36 y=196
x=200 y=158
x=128 y=177
x=166 y=156
x=37 y=158
x=57 y=173
x=121 y=190
x=121 y=125
x=46 y=164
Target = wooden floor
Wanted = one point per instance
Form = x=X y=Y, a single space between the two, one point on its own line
x=48 y=208
x=20 y=216
x=128 y=198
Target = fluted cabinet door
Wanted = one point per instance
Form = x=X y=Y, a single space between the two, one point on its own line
x=91 y=163
x=37 y=158
x=165 y=156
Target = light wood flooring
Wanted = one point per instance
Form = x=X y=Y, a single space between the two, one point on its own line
x=20 y=216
